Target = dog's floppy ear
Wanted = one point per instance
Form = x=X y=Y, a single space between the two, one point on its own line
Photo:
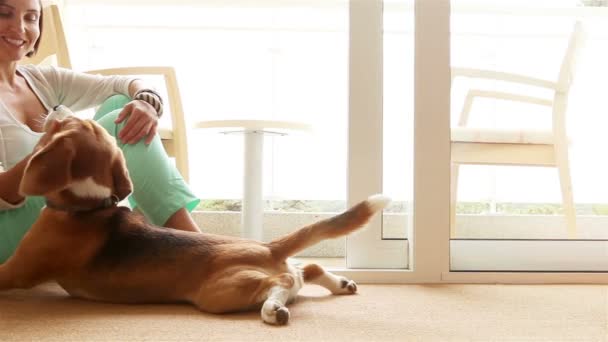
x=50 y=169
x=120 y=176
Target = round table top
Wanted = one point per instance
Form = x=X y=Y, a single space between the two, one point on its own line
x=256 y=125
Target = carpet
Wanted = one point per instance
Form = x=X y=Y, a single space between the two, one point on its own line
x=377 y=313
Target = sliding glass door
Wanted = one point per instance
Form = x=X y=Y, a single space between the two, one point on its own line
x=528 y=136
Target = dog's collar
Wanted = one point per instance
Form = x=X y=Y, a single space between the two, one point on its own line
x=107 y=202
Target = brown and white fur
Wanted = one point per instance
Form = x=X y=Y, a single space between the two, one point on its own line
x=97 y=250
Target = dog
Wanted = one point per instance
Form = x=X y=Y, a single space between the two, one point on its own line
x=98 y=250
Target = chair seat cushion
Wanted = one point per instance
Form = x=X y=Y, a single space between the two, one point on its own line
x=502 y=136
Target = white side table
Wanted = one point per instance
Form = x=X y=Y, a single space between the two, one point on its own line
x=253 y=131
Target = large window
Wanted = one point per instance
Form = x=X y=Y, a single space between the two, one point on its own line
x=530 y=214
x=294 y=60
x=531 y=38
x=276 y=60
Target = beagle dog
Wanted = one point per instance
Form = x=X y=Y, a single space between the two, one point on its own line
x=100 y=251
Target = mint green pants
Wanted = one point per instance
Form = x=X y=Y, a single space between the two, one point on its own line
x=158 y=188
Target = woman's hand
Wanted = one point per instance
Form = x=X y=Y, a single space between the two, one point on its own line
x=142 y=122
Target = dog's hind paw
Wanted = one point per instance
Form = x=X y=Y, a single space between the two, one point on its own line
x=273 y=312
x=347 y=286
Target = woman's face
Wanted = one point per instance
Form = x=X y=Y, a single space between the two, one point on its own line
x=19 y=29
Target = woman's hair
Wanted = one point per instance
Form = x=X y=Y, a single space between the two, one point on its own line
x=37 y=43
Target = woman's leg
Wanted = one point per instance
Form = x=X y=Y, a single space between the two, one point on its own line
x=182 y=220
x=15 y=223
x=159 y=191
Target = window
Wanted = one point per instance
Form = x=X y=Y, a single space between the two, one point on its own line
x=276 y=60
x=514 y=203
x=265 y=44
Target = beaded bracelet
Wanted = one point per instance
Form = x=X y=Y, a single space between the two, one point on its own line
x=151 y=97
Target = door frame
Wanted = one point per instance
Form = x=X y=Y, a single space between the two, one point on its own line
x=429 y=258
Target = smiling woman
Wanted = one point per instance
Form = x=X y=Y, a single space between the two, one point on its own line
x=28 y=93
x=21 y=27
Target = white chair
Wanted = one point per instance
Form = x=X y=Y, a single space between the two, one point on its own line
x=548 y=148
x=53 y=50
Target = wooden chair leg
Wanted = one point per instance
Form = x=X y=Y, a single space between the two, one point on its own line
x=453 y=198
x=565 y=180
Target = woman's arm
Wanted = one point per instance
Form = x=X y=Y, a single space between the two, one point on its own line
x=75 y=90
x=10 y=181
x=78 y=91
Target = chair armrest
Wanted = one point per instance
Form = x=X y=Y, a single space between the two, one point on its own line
x=474 y=93
x=504 y=76
x=509 y=97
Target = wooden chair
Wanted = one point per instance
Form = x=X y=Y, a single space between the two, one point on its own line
x=53 y=50
x=547 y=148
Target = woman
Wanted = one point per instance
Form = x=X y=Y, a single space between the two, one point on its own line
x=29 y=93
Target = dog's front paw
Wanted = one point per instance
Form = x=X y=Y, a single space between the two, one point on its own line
x=274 y=312
x=346 y=286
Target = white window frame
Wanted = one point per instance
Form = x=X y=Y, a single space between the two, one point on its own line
x=430 y=255
x=428 y=260
x=367 y=248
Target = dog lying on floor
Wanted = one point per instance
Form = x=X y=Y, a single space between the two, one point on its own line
x=100 y=251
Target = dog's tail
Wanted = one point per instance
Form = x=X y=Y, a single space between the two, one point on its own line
x=340 y=225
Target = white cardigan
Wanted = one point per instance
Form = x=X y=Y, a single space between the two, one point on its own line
x=53 y=86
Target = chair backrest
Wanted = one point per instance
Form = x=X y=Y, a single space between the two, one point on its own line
x=569 y=63
x=53 y=47
x=53 y=50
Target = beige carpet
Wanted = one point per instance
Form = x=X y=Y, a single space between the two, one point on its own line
x=377 y=313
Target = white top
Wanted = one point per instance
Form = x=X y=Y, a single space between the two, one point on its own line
x=53 y=86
